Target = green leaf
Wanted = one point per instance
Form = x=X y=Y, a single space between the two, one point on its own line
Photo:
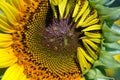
x=98 y=63
x=109 y=35
x=109 y=14
x=115 y=28
x=2 y=70
x=102 y=2
x=114 y=72
x=96 y=74
x=113 y=45
x=115 y=3
x=105 y=68
x=114 y=52
x=108 y=60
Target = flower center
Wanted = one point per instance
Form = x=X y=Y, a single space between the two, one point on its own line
x=60 y=36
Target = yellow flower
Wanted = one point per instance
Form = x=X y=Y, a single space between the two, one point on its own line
x=48 y=39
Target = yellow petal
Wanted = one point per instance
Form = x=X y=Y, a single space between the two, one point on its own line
x=4 y=23
x=96 y=40
x=118 y=41
x=84 y=65
x=6 y=44
x=88 y=57
x=68 y=8
x=76 y=9
x=93 y=27
x=83 y=17
x=84 y=7
x=2 y=17
x=90 y=43
x=93 y=35
x=5 y=37
x=117 y=57
x=109 y=72
x=5 y=27
x=7 y=57
x=91 y=17
x=22 y=77
x=14 y=72
x=55 y=2
x=61 y=7
x=19 y=4
x=90 y=51
x=117 y=22
x=9 y=11
x=94 y=21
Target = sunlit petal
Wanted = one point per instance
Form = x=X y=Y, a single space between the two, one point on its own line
x=7 y=57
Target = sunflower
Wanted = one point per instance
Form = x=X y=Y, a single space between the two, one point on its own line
x=59 y=39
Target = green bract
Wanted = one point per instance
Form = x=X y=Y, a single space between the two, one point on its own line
x=106 y=67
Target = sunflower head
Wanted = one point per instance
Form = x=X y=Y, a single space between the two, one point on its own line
x=51 y=39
